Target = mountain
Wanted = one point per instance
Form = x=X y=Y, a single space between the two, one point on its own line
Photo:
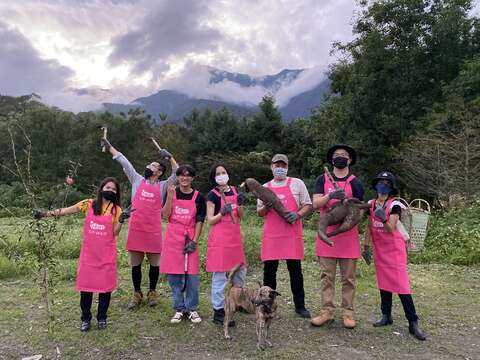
x=297 y=90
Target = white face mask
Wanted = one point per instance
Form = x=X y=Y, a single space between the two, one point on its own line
x=280 y=173
x=221 y=179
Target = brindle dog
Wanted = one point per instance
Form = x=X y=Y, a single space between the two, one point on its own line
x=260 y=301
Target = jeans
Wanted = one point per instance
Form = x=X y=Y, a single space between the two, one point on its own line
x=86 y=304
x=219 y=280
x=296 y=279
x=184 y=300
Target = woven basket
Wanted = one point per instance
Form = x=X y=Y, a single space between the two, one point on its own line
x=420 y=214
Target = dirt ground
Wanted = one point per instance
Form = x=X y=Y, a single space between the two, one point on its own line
x=446 y=297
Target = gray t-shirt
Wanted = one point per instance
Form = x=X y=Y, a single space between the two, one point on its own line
x=135 y=178
x=299 y=191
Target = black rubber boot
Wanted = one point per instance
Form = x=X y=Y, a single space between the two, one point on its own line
x=384 y=321
x=415 y=331
x=302 y=312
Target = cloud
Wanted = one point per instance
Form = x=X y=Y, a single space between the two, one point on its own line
x=23 y=71
x=306 y=81
x=172 y=29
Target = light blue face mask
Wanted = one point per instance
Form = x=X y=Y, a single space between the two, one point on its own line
x=280 y=173
x=383 y=189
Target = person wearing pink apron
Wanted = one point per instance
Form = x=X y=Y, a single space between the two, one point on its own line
x=389 y=252
x=144 y=236
x=185 y=209
x=97 y=265
x=225 y=243
x=282 y=238
x=346 y=246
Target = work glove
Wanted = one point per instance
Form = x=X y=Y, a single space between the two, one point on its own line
x=39 y=214
x=241 y=198
x=190 y=247
x=125 y=214
x=165 y=154
x=291 y=217
x=105 y=143
x=337 y=194
x=380 y=214
x=227 y=209
x=367 y=255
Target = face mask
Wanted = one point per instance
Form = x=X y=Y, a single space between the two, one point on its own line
x=340 y=162
x=221 y=179
x=383 y=189
x=109 y=195
x=148 y=173
x=280 y=173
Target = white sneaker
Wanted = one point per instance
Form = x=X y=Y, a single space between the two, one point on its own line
x=194 y=317
x=177 y=318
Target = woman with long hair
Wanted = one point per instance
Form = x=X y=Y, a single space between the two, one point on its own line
x=97 y=265
x=225 y=243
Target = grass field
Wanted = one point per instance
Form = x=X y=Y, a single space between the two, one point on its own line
x=446 y=297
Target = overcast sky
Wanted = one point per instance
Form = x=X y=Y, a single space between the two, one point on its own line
x=136 y=47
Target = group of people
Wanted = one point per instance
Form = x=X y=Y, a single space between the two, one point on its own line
x=175 y=253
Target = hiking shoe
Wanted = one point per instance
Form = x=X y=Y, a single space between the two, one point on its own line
x=177 y=317
x=348 y=320
x=136 y=300
x=85 y=326
x=325 y=317
x=152 y=298
x=102 y=324
x=194 y=317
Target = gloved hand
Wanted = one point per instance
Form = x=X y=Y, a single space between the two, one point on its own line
x=337 y=194
x=367 y=255
x=105 y=143
x=126 y=213
x=39 y=214
x=241 y=198
x=190 y=247
x=165 y=154
x=380 y=213
x=291 y=217
x=227 y=209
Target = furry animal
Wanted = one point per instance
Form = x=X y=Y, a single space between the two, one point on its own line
x=260 y=301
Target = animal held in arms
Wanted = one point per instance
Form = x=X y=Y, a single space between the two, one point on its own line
x=266 y=195
x=346 y=214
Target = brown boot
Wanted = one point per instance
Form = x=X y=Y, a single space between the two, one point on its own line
x=136 y=300
x=152 y=298
x=348 y=320
x=325 y=317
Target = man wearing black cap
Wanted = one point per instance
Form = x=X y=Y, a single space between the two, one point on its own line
x=282 y=237
x=346 y=246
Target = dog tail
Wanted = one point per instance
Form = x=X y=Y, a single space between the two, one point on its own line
x=232 y=273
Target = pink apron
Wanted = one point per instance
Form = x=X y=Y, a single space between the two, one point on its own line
x=282 y=240
x=97 y=266
x=145 y=225
x=225 y=245
x=346 y=245
x=181 y=223
x=389 y=255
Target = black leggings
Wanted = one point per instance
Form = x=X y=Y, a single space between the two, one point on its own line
x=407 y=303
x=86 y=304
x=153 y=275
x=296 y=279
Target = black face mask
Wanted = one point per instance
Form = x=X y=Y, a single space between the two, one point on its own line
x=340 y=162
x=109 y=195
x=148 y=173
